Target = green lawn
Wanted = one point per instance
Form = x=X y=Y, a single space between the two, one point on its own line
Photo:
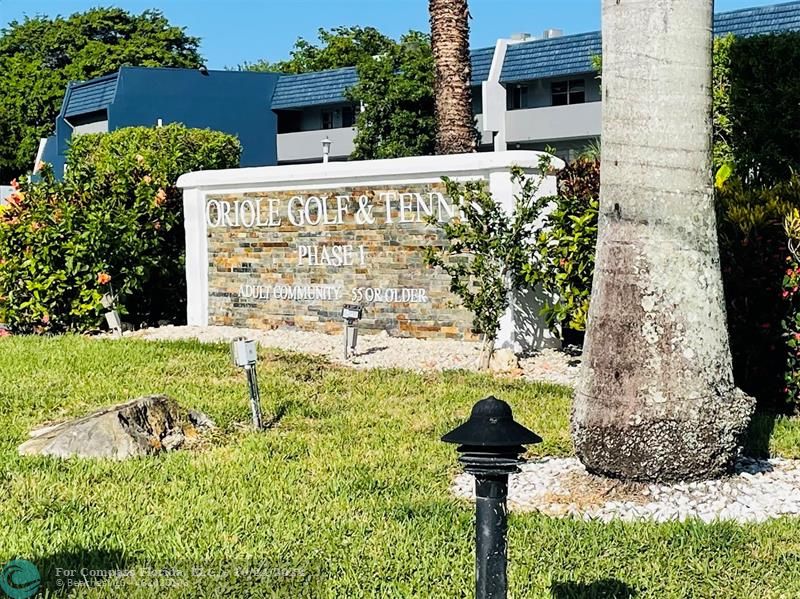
x=346 y=497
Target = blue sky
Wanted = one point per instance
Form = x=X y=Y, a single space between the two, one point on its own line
x=235 y=31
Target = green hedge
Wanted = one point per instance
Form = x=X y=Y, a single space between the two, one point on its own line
x=757 y=86
x=116 y=214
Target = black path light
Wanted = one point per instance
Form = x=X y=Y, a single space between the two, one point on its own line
x=490 y=444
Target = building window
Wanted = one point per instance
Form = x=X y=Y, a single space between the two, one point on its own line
x=327 y=119
x=568 y=92
x=348 y=116
x=289 y=121
x=518 y=98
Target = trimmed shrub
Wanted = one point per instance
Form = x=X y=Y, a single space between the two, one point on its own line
x=721 y=100
x=115 y=224
x=765 y=85
x=756 y=86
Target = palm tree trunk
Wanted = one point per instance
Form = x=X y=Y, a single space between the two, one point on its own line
x=656 y=399
x=455 y=125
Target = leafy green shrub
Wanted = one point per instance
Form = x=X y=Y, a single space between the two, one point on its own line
x=563 y=262
x=755 y=255
x=790 y=324
x=721 y=101
x=765 y=85
x=117 y=214
x=487 y=247
x=756 y=85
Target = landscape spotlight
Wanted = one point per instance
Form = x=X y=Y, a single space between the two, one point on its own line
x=351 y=314
x=108 y=301
x=112 y=316
x=244 y=355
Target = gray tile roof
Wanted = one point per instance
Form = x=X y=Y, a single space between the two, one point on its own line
x=551 y=57
x=313 y=89
x=481 y=63
x=91 y=96
x=762 y=19
x=572 y=54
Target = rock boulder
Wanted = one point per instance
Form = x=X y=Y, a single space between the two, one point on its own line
x=143 y=426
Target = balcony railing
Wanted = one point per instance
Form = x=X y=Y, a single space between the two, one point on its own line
x=530 y=125
x=575 y=121
x=306 y=146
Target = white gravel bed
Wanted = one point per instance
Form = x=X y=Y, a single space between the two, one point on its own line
x=757 y=491
x=377 y=351
x=553 y=366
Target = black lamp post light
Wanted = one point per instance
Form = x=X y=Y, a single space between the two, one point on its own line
x=491 y=443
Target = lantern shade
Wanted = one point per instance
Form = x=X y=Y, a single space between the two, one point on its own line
x=491 y=424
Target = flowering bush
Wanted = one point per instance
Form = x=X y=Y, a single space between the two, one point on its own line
x=790 y=325
x=757 y=270
x=116 y=218
x=791 y=329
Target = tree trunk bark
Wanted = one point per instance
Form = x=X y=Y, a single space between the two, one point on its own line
x=487 y=351
x=656 y=399
x=455 y=125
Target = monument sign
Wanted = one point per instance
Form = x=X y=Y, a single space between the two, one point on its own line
x=288 y=246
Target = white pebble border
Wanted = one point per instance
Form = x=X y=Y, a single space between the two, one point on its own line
x=757 y=491
x=378 y=351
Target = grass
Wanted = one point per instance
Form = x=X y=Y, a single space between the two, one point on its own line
x=346 y=497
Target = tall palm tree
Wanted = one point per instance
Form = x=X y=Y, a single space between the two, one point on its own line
x=656 y=399
x=455 y=126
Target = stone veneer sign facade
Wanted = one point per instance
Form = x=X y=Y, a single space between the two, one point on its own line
x=290 y=245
